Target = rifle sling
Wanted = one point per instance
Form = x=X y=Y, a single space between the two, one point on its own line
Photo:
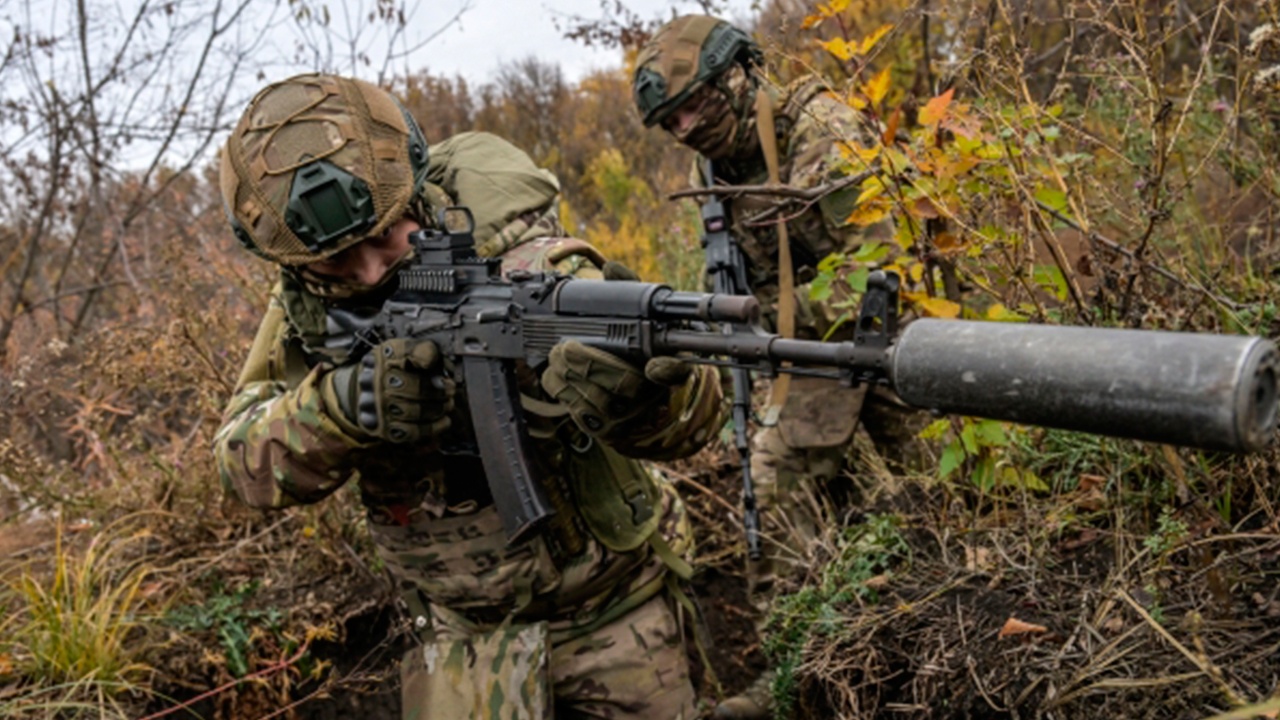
x=786 y=276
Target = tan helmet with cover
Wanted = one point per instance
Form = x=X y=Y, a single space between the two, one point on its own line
x=316 y=164
x=683 y=55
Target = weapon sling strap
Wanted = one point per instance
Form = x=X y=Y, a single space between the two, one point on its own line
x=786 y=276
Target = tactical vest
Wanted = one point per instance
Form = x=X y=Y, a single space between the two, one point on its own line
x=751 y=218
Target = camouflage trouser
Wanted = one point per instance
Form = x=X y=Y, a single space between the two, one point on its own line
x=793 y=462
x=633 y=668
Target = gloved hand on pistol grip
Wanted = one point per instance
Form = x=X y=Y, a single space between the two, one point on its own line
x=396 y=392
x=604 y=392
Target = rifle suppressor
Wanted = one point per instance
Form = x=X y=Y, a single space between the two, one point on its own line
x=1207 y=391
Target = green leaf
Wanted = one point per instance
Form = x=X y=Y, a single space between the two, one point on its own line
x=1075 y=158
x=1055 y=199
x=1032 y=481
x=968 y=145
x=831 y=263
x=845 y=317
x=820 y=288
x=991 y=433
x=968 y=435
x=935 y=429
x=984 y=473
x=857 y=279
x=951 y=458
x=1050 y=278
x=871 y=252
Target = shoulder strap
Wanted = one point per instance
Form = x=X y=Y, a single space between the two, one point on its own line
x=786 y=273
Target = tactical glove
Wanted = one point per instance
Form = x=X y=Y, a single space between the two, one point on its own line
x=396 y=392
x=605 y=393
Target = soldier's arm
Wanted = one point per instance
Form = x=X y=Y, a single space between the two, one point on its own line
x=279 y=445
x=824 y=123
x=687 y=419
x=679 y=427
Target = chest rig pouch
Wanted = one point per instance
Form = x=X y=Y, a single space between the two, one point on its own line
x=616 y=496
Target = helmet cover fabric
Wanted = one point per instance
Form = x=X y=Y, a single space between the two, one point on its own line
x=353 y=128
x=681 y=56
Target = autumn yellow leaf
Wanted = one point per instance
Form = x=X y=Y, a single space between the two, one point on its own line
x=869 y=213
x=936 y=109
x=894 y=160
x=1014 y=626
x=922 y=163
x=870 y=41
x=948 y=168
x=872 y=188
x=938 y=307
x=839 y=47
x=878 y=86
x=853 y=151
x=825 y=11
x=1000 y=313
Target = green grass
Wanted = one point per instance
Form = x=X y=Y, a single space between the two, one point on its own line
x=73 y=630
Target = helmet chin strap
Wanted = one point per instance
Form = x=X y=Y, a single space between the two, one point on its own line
x=786 y=279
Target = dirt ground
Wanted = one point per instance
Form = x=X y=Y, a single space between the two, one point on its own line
x=1103 y=621
x=362 y=676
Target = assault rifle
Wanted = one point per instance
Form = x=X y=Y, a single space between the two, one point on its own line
x=1199 y=390
x=728 y=271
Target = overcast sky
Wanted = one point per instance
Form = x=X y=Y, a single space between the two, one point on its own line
x=496 y=31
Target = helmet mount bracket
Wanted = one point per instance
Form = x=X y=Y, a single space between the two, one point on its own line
x=326 y=204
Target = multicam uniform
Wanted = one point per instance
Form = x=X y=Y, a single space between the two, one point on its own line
x=812 y=440
x=593 y=587
x=699 y=78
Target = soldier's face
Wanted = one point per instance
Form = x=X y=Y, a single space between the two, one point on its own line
x=704 y=122
x=686 y=115
x=681 y=120
x=367 y=262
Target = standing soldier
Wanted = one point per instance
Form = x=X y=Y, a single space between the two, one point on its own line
x=327 y=177
x=698 y=79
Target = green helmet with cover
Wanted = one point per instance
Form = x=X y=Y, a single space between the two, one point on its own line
x=685 y=54
x=318 y=163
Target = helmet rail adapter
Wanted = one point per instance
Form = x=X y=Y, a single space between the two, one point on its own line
x=316 y=164
x=683 y=55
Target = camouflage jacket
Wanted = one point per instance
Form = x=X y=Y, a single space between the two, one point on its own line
x=810 y=124
x=619 y=526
